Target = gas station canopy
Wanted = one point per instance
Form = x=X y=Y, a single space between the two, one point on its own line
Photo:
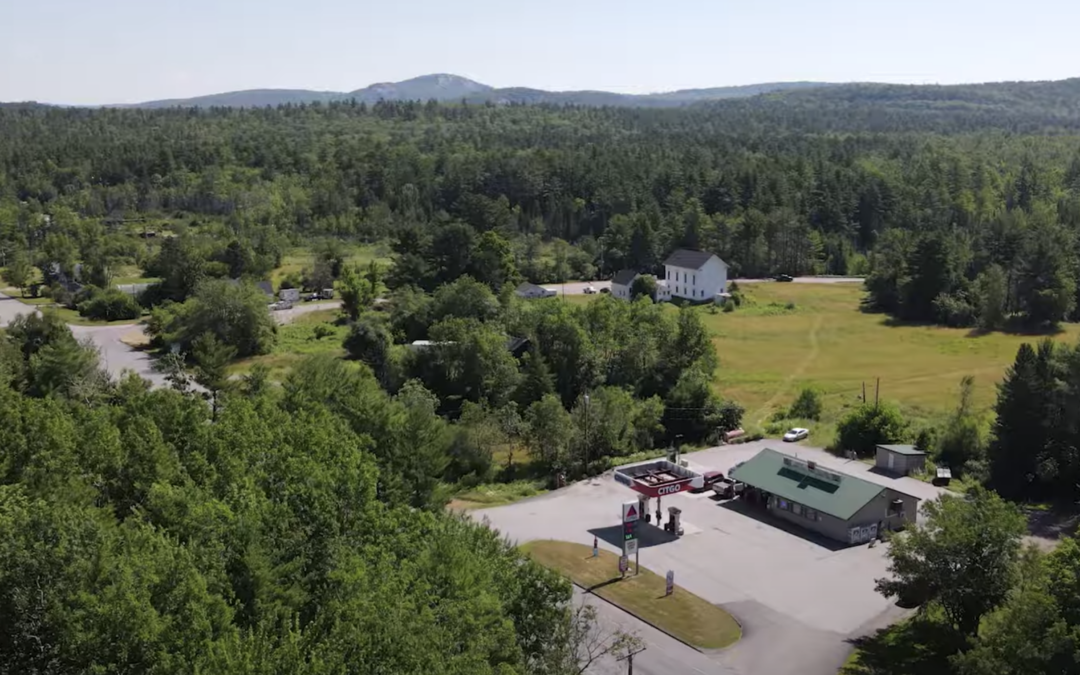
x=659 y=477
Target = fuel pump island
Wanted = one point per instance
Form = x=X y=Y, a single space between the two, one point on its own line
x=653 y=479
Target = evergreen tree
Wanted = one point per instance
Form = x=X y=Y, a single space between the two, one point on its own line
x=1020 y=432
x=536 y=378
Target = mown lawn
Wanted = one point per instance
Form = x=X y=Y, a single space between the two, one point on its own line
x=313 y=333
x=682 y=614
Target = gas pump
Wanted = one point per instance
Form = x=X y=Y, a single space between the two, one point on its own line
x=674 y=523
x=643 y=507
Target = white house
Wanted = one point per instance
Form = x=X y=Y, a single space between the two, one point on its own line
x=527 y=290
x=621 y=283
x=694 y=275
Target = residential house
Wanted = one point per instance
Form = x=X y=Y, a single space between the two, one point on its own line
x=622 y=282
x=697 y=276
x=527 y=290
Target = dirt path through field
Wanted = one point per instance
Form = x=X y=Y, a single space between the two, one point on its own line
x=812 y=336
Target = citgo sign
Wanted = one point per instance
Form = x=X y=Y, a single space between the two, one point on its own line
x=668 y=489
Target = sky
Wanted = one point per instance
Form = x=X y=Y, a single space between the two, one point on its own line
x=126 y=51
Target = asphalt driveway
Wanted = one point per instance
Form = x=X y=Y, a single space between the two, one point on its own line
x=798 y=599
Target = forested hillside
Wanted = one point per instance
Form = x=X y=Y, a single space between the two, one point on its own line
x=805 y=182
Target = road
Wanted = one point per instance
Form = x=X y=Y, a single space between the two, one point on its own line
x=578 y=287
x=663 y=655
x=116 y=355
x=806 y=280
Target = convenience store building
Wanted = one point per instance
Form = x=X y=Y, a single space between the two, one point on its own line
x=839 y=506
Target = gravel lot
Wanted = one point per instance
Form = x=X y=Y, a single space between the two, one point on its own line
x=798 y=600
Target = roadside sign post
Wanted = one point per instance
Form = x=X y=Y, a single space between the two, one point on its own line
x=631 y=516
x=670 y=582
x=623 y=565
x=595 y=548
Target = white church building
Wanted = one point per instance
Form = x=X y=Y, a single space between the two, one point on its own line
x=696 y=276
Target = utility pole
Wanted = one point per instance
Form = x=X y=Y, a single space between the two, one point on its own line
x=585 y=399
x=877 y=391
x=629 y=658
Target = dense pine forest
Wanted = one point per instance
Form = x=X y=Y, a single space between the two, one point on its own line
x=844 y=180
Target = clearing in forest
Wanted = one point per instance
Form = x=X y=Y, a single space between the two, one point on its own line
x=792 y=335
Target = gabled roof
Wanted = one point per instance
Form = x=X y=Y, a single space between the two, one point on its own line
x=265 y=287
x=687 y=259
x=527 y=287
x=831 y=492
x=904 y=450
x=624 y=277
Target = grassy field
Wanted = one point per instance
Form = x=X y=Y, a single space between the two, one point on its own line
x=793 y=335
x=299 y=258
x=297 y=340
x=787 y=336
x=682 y=614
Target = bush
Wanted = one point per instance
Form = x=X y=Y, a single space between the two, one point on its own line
x=110 y=305
x=322 y=330
x=807 y=406
x=729 y=306
x=955 y=311
x=775 y=428
x=870 y=425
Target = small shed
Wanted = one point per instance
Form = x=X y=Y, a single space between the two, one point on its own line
x=900 y=459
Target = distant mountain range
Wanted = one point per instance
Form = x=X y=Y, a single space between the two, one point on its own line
x=443 y=87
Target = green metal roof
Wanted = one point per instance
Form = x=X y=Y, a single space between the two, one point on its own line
x=904 y=450
x=841 y=497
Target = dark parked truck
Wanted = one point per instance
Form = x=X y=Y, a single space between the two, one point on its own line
x=726 y=488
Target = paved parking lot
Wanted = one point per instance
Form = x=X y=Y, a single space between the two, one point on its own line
x=798 y=598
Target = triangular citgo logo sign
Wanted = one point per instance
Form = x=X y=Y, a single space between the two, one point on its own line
x=631 y=512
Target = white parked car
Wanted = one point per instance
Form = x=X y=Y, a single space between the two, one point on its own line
x=589 y=290
x=796 y=434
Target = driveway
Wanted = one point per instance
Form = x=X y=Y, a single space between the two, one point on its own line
x=798 y=600
x=284 y=316
x=116 y=356
x=11 y=308
x=577 y=287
